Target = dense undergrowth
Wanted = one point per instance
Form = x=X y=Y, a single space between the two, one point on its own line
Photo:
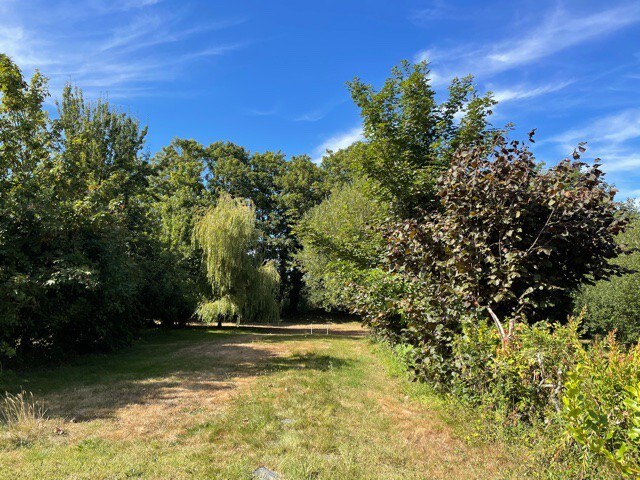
x=575 y=406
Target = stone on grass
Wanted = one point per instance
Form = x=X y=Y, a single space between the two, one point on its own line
x=263 y=473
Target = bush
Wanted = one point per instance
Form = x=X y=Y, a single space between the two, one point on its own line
x=521 y=379
x=614 y=304
x=602 y=405
x=585 y=400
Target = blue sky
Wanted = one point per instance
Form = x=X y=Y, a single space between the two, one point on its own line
x=270 y=74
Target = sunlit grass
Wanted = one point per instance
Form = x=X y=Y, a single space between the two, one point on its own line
x=219 y=404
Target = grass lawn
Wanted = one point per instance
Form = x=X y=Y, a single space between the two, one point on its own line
x=207 y=403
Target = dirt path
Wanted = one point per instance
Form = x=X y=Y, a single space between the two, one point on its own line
x=203 y=403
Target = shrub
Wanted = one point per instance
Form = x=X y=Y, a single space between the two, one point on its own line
x=602 y=405
x=614 y=304
x=521 y=379
x=510 y=239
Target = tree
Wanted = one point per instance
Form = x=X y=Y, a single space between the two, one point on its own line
x=341 y=243
x=243 y=287
x=180 y=192
x=344 y=165
x=25 y=204
x=74 y=221
x=178 y=196
x=511 y=239
x=411 y=138
x=614 y=303
x=302 y=185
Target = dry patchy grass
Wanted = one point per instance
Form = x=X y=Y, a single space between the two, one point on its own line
x=203 y=403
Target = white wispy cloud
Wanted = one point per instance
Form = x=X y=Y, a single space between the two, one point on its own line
x=524 y=92
x=217 y=50
x=614 y=138
x=613 y=129
x=106 y=46
x=262 y=112
x=337 y=142
x=312 y=116
x=558 y=31
x=436 y=10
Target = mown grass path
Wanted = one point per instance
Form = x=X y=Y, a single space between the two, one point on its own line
x=206 y=403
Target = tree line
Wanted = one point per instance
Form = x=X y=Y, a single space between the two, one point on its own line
x=98 y=238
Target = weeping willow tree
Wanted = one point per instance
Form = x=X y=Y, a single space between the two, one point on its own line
x=243 y=287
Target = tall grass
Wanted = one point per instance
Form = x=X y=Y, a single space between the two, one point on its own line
x=22 y=416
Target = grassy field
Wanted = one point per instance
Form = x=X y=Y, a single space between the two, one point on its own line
x=207 y=403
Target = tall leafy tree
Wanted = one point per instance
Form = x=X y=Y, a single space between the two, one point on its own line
x=26 y=205
x=411 y=137
x=73 y=216
x=101 y=180
x=341 y=246
x=180 y=192
x=302 y=186
x=242 y=286
x=281 y=191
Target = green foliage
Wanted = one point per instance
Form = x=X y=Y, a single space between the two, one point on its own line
x=180 y=192
x=302 y=186
x=341 y=242
x=602 y=406
x=25 y=142
x=521 y=379
x=343 y=166
x=73 y=221
x=241 y=286
x=411 y=138
x=193 y=175
x=614 y=303
x=510 y=236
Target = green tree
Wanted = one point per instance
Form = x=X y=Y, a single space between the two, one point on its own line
x=302 y=185
x=243 y=287
x=100 y=180
x=614 y=303
x=26 y=204
x=74 y=221
x=341 y=243
x=344 y=165
x=177 y=197
x=180 y=192
x=411 y=137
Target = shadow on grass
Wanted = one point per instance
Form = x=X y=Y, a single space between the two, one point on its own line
x=170 y=368
x=309 y=361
